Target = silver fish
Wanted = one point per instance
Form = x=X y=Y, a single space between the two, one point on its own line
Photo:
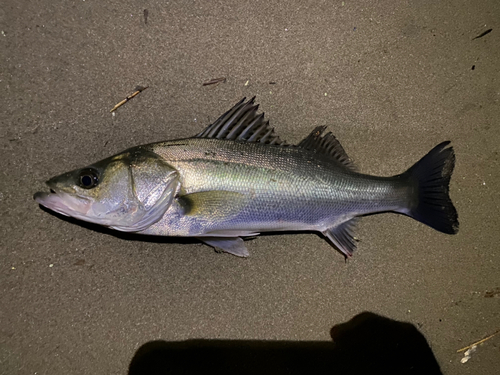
x=237 y=179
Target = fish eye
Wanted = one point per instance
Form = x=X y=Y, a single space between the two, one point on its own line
x=88 y=178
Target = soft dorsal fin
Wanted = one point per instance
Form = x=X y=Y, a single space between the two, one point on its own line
x=328 y=145
x=241 y=123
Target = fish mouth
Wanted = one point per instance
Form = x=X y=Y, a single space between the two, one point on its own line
x=63 y=203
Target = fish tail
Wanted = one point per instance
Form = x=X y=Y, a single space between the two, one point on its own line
x=430 y=177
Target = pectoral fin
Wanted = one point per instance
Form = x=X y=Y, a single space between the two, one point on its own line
x=231 y=245
x=342 y=236
x=216 y=204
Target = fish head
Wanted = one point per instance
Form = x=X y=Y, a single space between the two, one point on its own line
x=127 y=192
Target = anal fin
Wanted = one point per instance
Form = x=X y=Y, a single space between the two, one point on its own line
x=342 y=236
x=231 y=245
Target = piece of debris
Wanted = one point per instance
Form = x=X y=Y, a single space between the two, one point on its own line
x=246 y=83
x=138 y=89
x=79 y=262
x=272 y=83
x=146 y=14
x=215 y=81
x=495 y=293
x=468 y=354
x=478 y=342
x=483 y=34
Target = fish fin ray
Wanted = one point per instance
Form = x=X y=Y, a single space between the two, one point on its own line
x=231 y=245
x=242 y=123
x=342 y=236
x=431 y=203
x=327 y=145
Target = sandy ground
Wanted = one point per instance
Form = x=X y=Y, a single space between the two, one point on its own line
x=391 y=80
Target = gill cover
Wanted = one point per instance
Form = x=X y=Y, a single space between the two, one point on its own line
x=153 y=185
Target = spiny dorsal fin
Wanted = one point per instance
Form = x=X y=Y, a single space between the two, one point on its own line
x=241 y=123
x=328 y=145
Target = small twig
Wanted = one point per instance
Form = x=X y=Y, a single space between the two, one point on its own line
x=478 y=342
x=483 y=34
x=138 y=89
x=215 y=81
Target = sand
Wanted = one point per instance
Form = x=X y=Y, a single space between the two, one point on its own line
x=391 y=81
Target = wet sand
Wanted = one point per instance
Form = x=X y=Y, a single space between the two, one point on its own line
x=390 y=80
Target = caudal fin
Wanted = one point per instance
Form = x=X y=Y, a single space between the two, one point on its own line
x=431 y=176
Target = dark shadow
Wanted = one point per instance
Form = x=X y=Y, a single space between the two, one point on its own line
x=367 y=344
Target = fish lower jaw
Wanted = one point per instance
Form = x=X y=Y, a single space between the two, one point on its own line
x=63 y=203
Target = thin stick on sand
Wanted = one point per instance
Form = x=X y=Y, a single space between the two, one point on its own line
x=478 y=342
x=138 y=89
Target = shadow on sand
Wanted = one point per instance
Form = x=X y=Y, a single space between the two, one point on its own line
x=367 y=344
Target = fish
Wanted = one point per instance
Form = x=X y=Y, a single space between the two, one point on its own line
x=237 y=179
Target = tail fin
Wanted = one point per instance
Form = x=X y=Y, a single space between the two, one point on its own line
x=431 y=177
